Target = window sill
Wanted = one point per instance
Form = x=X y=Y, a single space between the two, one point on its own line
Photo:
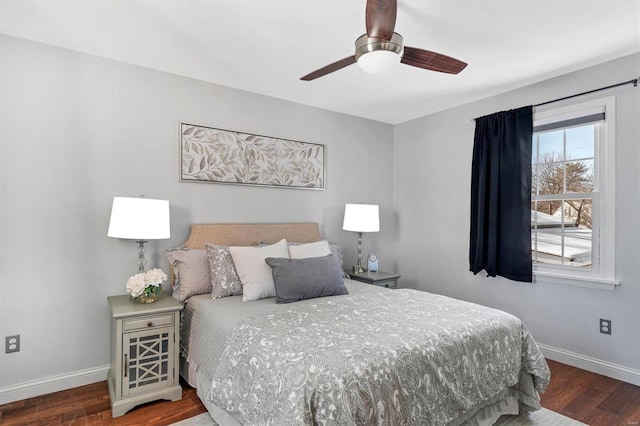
x=576 y=281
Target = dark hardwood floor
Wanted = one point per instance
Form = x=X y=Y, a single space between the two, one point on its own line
x=89 y=405
x=581 y=395
x=591 y=398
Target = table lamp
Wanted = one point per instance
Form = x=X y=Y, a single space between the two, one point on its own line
x=361 y=218
x=139 y=219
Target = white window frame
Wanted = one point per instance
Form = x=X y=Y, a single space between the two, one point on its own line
x=602 y=273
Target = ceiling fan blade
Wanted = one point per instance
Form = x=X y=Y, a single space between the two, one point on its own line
x=381 y=18
x=330 y=68
x=431 y=60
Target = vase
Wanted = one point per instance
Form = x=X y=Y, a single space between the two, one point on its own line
x=147 y=298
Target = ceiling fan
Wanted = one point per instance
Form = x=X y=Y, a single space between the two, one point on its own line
x=381 y=48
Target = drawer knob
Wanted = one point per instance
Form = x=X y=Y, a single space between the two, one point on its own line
x=149 y=324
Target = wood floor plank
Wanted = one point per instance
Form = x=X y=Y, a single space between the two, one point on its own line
x=591 y=397
x=12 y=406
x=623 y=401
x=603 y=418
x=18 y=416
x=633 y=419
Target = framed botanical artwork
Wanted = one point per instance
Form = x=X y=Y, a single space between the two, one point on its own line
x=212 y=155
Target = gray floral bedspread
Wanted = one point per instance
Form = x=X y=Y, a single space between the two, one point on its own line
x=399 y=357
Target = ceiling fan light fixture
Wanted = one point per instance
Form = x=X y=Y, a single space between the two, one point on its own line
x=378 y=61
x=376 y=55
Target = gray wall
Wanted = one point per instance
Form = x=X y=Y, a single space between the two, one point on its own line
x=432 y=189
x=78 y=130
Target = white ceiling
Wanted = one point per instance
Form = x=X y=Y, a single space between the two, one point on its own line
x=265 y=46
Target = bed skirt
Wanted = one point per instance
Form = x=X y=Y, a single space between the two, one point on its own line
x=505 y=403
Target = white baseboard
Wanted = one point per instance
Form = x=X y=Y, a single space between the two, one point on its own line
x=53 y=384
x=594 y=365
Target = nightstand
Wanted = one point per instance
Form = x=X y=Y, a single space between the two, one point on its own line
x=145 y=339
x=382 y=279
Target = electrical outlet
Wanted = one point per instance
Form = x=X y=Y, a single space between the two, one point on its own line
x=12 y=344
x=605 y=326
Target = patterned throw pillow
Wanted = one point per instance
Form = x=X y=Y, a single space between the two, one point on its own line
x=224 y=278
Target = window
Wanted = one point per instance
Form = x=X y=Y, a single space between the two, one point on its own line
x=572 y=194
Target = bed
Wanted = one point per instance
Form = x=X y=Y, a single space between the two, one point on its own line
x=372 y=356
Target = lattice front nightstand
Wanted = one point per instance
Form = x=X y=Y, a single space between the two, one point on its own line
x=145 y=340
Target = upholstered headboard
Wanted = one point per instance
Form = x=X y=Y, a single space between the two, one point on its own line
x=249 y=234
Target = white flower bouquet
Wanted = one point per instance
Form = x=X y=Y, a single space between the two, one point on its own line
x=146 y=283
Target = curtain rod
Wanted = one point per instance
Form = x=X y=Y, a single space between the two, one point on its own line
x=633 y=81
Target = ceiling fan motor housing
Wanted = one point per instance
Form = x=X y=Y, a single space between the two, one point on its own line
x=366 y=44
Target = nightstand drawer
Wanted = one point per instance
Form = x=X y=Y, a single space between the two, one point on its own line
x=387 y=283
x=142 y=323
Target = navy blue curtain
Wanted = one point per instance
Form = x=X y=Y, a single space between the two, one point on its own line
x=501 y=195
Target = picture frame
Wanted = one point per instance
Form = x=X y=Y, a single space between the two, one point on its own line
x=214 y=155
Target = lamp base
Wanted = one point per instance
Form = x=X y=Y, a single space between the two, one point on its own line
x=358 y=270
x=141 y=260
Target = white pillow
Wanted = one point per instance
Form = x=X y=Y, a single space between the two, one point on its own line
x=303 y=251
x=254 y=273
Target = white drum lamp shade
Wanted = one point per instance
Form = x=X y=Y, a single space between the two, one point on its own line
x=139 y=219
x=361 y=218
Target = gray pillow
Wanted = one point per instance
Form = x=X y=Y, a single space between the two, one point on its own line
x=336 y=251
x=300 y=279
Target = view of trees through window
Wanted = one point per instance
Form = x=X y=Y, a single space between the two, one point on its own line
x=562 y=196
x=553 y=174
